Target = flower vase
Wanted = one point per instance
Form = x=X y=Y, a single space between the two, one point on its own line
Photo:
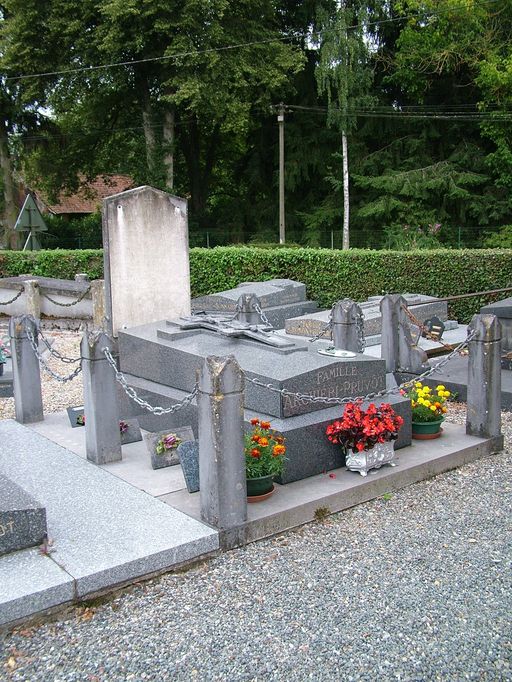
x=427 y=430
x=374 y=458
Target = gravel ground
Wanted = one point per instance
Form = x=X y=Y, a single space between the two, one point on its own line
x=412 y=586
x=56 y=396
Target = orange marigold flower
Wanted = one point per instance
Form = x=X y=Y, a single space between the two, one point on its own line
x=265 y=425
x=278 y=450
x=263 y=442
x=279 y=439
x=254 y=422
x=255 y=438
x=255 y=453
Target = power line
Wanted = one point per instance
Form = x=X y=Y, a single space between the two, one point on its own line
x=194 y=53
x=394 y=113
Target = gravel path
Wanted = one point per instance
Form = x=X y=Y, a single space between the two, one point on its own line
x=56 y=396
x=412 y=586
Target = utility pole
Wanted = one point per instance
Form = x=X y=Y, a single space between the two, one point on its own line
x=280 y=121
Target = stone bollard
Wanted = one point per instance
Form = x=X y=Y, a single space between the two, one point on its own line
x=98 y=304
x=345 y=316
x=33 y=298
x=246 y=309
x=411 y=358
x=102 y=435
x=28 y=402
x=483 y=417
x=390 y=341
x=397 y=346
x=223 y=490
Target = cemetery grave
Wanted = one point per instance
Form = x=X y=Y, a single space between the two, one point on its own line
x=148 y=361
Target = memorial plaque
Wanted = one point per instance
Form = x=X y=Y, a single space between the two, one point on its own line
x=170 y=457
x=188 y=454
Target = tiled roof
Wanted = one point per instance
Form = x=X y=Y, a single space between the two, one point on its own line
x=90 y=195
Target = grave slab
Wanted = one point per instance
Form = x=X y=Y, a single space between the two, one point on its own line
x=280 y=299
x=31 y=582
x=164 y=354
x=271 y=293
x=22 y=518
x=104 y=531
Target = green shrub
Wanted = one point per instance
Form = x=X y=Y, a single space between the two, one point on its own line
x=328 y=275
x=499 y=240
x=55 y=263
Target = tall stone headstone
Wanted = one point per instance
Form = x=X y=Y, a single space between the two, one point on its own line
x=145 y=240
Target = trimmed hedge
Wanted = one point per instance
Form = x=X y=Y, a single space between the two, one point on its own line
x=60 y=263
x=329 y=275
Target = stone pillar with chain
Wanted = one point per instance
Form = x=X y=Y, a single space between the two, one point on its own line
x=102 y=434
x=28 y=401
x=483 y=417
x=223 y=491
x=246 y=307
x=346 y=326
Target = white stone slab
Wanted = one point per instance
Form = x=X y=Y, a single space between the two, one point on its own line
x=31 y=582
x=104 y=531
x=145 y=240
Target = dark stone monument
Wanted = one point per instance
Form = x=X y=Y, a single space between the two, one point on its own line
x=279 y=299
x=22 y=518
x=161 y=361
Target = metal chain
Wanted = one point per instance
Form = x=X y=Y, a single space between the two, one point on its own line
x=369 y=396
x=56 y=353
x=44 y=365
x=360 y=330
x=13 y=299
x=67 y=305
x=423 y=329
x=322 y=331
x=132 y=394
x=262 y=315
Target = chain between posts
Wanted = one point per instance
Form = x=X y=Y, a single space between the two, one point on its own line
x=132 y=394
x=326 y=328
x=13 y=299
x=370 y=396
x=360 y=330
x=67 y=305
x=56 y=353
x=262 y=315
x=44 y=365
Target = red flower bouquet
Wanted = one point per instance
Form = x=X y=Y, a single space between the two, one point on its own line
x=360 y=429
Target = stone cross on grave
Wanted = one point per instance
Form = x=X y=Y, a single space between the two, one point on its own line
x=227 y=326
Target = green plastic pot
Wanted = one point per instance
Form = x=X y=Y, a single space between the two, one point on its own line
x=259 y=486
x=427 y=428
